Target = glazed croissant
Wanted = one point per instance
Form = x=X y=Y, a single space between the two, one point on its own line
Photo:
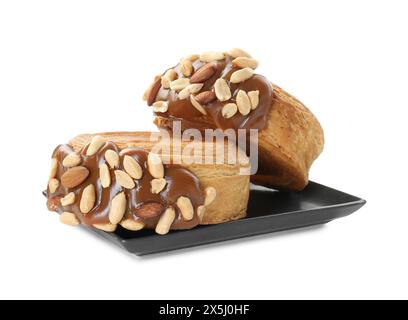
x=218 y=90
x=118 y=179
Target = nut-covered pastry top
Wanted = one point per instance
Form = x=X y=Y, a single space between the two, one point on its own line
x=222 y=86
x=102 y=186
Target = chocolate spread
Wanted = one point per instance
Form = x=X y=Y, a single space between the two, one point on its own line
x=182 y=109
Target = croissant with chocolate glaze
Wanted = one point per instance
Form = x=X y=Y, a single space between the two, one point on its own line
x=218 y=90
x=130 y=180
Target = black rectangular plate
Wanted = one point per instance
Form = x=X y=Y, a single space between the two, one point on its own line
x=268 y=211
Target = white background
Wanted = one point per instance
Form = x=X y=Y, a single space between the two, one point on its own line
x=68 y=67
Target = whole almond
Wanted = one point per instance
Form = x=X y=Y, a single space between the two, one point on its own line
x=54 y=168
x=205 y=97
x=107 y=227
x=132 y=167
x=222 y=90
x=157 y=185
x=71 y=160
x=204 y=73
x=104 y=175
x=124 y=180
x=112 y=158
x=254 y=98
x=243 y=103
x=88 y=199
x=197 y=105
x=74 y=177
x=168 y=77
x=155 y=165
x=211 y=56
x=149 y=210
x=201 y=212
x=165 y=221
x=153 y=90
x=236 y=53
x=132 y=225
x=244 y=62
x=179 y=84
x=186 y=67
x=210 y=194
x=241 y=75
x=160 y=106
x=53 y=185
x=118 y=208
x=96 y=143
x=229 y=110
x=69 y=219
x=186 y=208
x=68 y=199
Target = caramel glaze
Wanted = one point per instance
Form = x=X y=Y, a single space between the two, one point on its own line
x=183 y=109
x=180 y=182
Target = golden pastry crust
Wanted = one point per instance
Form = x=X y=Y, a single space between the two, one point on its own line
x=232 y=189
x=288 y=145
x=291 y=140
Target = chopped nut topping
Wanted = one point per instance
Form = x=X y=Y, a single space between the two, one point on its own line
x=161 y=106
x=222 y=90
x=186 y=67
x=236 y=53
x=168 y=77
x=243 y=103
x=229 y=110
x=68 y=199
x=53 y=185
x=179 y=84
x=197 y=105
x=243 y=62
x=241 y=75
x=192 y=57
x=124 y=180
x=157 y=185
x=254 y=98
x=211 y=56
